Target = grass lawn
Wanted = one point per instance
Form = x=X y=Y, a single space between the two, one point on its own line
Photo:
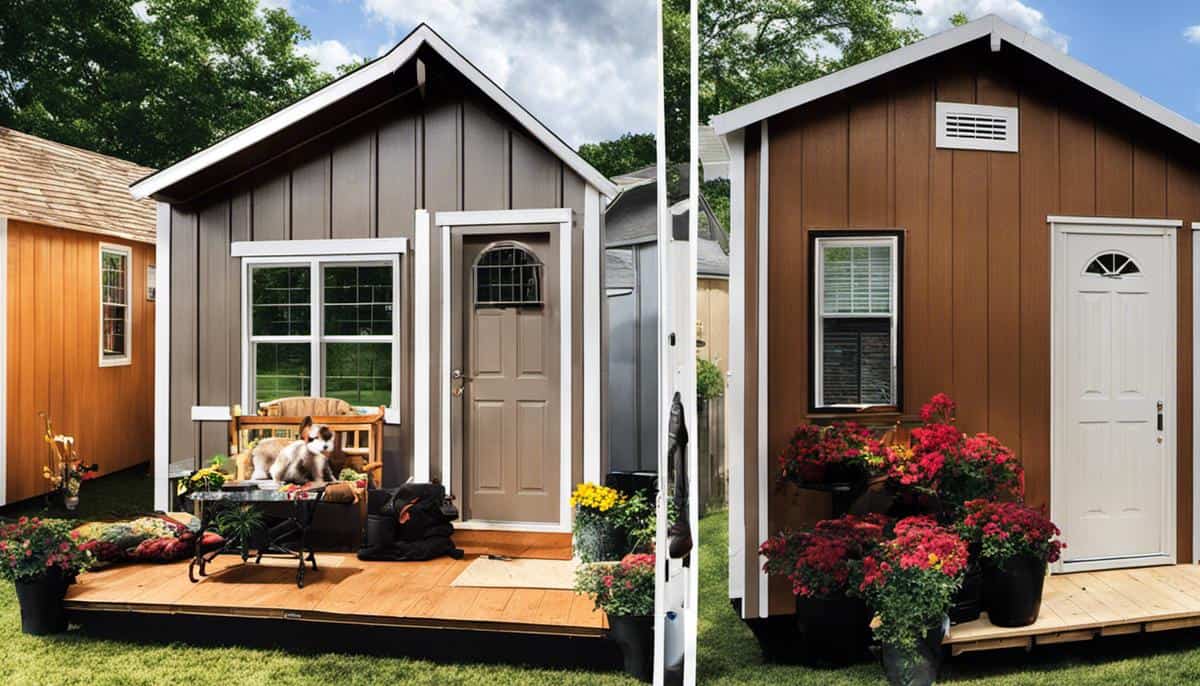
x=127 y=493
x=728 y=653
x=74 y=658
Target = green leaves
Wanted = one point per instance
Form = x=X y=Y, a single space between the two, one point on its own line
x=630 y=152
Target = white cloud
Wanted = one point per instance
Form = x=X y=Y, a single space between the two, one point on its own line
x=1192 y=34
x=587 y=70
x=329 y=54
x=935 y=17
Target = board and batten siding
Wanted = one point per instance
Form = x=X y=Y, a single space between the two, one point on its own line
x=975 y=287
x=53 y=325
x=364 y=180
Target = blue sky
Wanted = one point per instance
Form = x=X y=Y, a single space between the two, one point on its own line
x=587 y=67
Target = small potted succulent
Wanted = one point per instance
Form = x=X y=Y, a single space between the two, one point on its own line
x=909 y=583
x=42 y=558
x=597 y=532
x=625 y=592
x=825 y=455
x=834 y=623
x=1016 y=545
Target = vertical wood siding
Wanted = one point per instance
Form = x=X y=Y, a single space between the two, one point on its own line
x=450 y=152
x=53 y=327
x=975 y=315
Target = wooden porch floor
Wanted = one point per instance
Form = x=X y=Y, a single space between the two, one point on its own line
x=343 y=590
x=1082 y=606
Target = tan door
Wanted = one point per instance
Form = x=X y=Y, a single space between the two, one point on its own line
x=506 y=378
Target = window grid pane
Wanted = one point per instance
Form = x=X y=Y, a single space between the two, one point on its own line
x=857 y=279
x=281 y=370
x=114 y=302
x=508 y=275
x=359 y=373
x=358 y=301
x=282 y=298
x=856 y=365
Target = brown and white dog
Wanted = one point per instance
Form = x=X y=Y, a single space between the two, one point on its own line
x=296 y=462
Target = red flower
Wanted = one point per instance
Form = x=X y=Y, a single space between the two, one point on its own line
x=1006 y=529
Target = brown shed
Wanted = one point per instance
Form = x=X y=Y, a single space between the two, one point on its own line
x=980 y=214
x=76 y=261
x=407 y=236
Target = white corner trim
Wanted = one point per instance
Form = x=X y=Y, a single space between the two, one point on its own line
x=591 y=335
x=421 y=369
x=1113 y=221
x=124 y=250
x=211 y=413
x=3 y=358
x=735 y=416
x=337 y=246
x=498 y=217
x=764 y=329
x=565 y=385
x=442 y=377
x=339 y=89
x=1195 y=405
x=993 y=27
x=162 y=358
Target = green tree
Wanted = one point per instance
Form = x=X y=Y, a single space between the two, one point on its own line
x=716 y=192
x=152 y=88
x=753 y=48
x=622 y=155
x=959 y=19
x=677 y=69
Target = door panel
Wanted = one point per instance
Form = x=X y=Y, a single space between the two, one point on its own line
x=1114 y=361
x=510 y=443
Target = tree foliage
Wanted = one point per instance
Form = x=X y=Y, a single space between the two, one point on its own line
x=622 y=155
x=716 y=192
x=753 y=48
x=151 y=88
x=677 y=69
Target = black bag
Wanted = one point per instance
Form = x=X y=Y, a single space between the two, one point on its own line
x=408 y=522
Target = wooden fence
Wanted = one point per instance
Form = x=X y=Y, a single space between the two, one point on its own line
x=710 y=447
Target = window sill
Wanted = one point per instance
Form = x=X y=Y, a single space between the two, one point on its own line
x=116 y=362
x=872 y=414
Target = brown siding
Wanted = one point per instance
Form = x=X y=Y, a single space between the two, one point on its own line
x=976 y=280
x=53 y=356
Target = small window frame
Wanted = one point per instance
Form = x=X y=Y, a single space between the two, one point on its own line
x=125 y=358
x=818 y=241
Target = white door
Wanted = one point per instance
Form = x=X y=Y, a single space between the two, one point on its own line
x=1113 y=464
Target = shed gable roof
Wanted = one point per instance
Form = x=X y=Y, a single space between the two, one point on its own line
x=58 y=185
x=354 y=82
x=999 y=32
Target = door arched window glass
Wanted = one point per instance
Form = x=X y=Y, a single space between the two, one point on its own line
x=1113 y=265
x=508 y=274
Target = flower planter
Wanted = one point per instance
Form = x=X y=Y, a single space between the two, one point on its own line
x=41 y=602
x=71 y=502
x=833 y=631
x=634 y=634
x=1012 y=590
x=968 y=602
x=600 y=541
x=919 y=668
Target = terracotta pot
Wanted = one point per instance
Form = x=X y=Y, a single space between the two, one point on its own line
x=919 y=668
x=41 y=600
x=1012 y=590
x=833 y=631
x=634 y=634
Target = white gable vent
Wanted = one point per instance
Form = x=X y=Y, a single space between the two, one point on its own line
x=976 y=127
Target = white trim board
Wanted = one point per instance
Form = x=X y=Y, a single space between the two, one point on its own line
x=992 y=26
x=735 y=417
x=162 y=358
x=1195 y=386
x=333 y=246
x=762 y=259
x=382 y=68
x=3 y=358
x=211 y=413
x=445 y=221
x=592 y=255
x=422 y=371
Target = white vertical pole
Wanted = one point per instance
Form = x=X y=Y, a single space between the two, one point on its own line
x=664 y=372
x=591 y=335
x=735 y=415
x=421 y=369
x=764 y=328
x=162 y=358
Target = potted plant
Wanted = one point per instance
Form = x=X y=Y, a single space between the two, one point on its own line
x=909 y=582
x=834 y=624
x=625 y=592
x=41 y=557
x=1016 y=544
x=825 y=455
x=597 y=532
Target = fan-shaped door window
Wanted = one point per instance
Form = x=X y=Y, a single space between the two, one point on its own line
x=508 y=275
x=1113 y=265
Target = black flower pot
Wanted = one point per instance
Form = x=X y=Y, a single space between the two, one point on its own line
x=1012 y=590
x=967 y=604
x=917 y=668
x=833 y=631
x=600 y=541
x=41 y=602
x=634 y=634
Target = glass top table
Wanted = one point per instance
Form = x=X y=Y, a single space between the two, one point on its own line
x=254 y=495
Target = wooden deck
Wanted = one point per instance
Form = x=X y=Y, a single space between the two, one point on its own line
x=343 y=590
x=1082 y=606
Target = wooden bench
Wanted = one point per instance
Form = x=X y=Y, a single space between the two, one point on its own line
x=359 y=435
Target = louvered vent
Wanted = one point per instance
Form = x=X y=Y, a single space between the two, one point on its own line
x=976 y=127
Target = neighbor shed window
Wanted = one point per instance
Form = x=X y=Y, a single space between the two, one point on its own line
x=115 y=318
x=856 y=323
x=324 y=327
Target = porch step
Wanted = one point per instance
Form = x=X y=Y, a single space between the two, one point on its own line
x=527 y=544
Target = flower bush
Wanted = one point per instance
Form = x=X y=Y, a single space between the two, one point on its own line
x=812 y=450
x=1008 y=530
x=32 y=546
x=205 y=479
x=910 y=580
x=624 y=588
x=590 y=498
x=819 y=562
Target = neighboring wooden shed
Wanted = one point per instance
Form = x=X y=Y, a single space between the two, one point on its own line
x=407 y=236
x=78 y=341
x=980 y=214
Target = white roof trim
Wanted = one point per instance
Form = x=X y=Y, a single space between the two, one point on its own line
x=991 y=26
x=380 y=68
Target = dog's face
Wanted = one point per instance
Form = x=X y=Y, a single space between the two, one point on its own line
x=318 y=438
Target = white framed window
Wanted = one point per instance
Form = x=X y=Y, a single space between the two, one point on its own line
x=856 y=341
x=323 y=326
x=116 y=320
